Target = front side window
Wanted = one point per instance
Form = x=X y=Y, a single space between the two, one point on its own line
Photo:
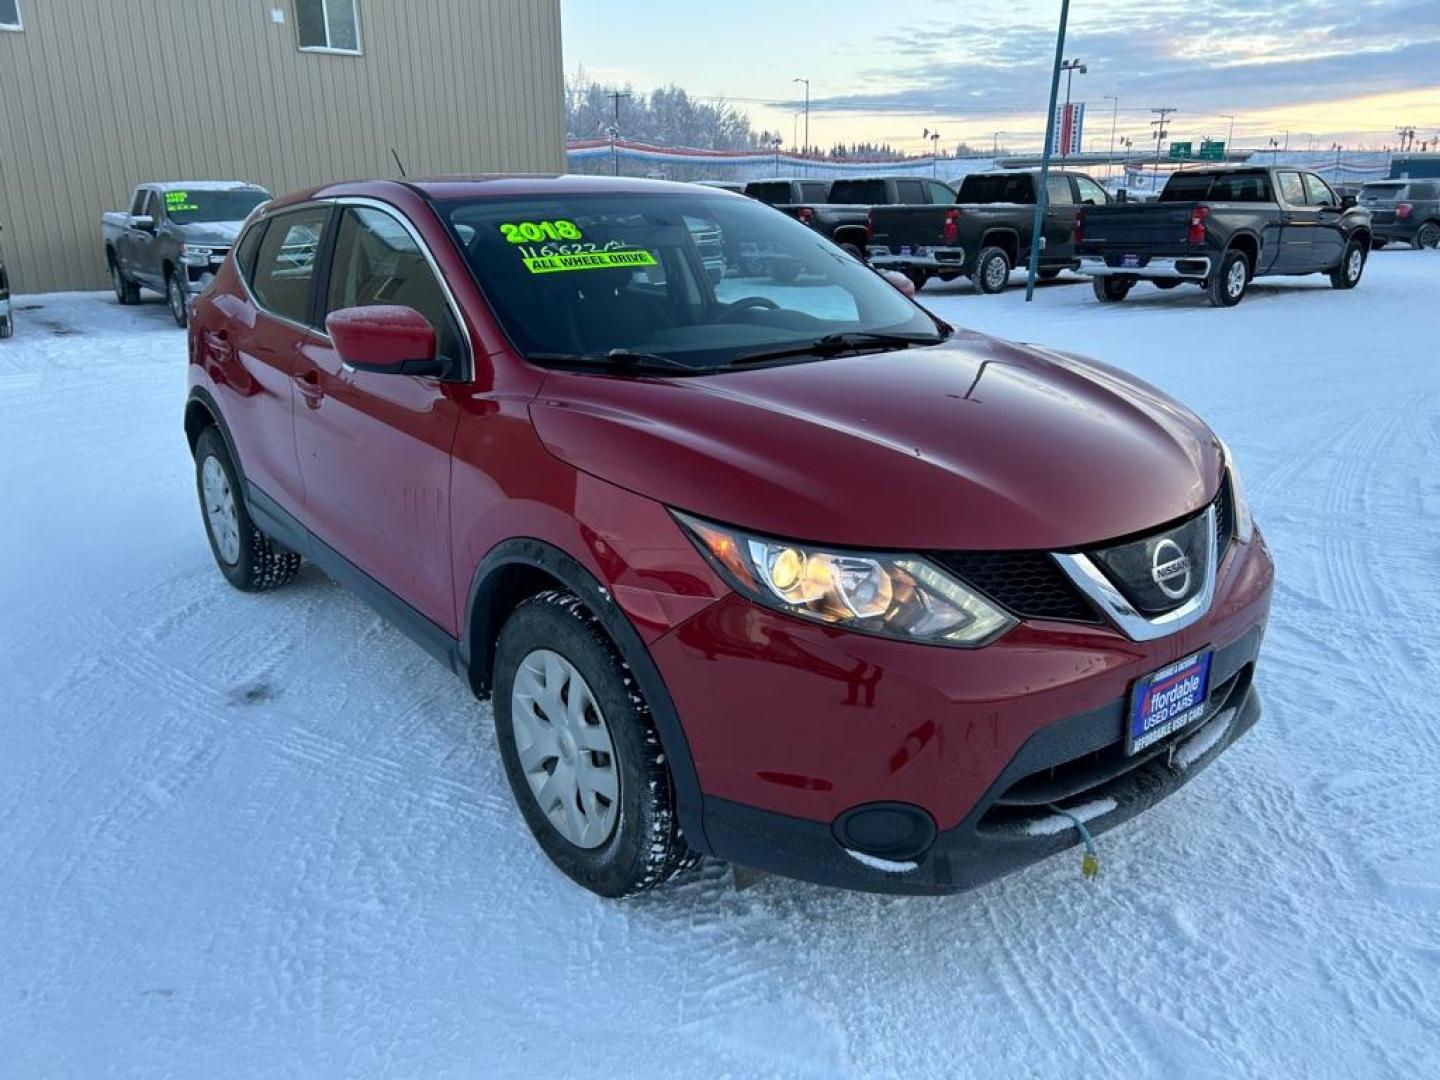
x=208 y=207
x=331 y=25
x=285 y=263
x=1091 y=192
x=10 y=15
x=1318 y=192
x=152 y=207
x=940 y=194
x=702 y=280
x=1292 y=189
x=378 y=262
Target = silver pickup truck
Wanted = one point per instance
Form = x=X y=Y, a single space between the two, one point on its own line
x=174 y=237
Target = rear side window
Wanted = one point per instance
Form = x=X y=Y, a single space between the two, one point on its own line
x=771 y=194
x=285 y=263
x=815 y=190
x=1241 y=187
x=910 y=192
x=376 y=262
x=1424 y=192
x=1057 y=190
x=1187 y=187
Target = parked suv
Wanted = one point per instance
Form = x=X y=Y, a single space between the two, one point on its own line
x=791 y=575
x=1404 y=211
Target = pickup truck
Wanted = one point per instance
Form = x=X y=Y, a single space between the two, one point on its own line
x=843 y=216
x=1221 y=228
x=986 y=231
x=791 y=191
x=174 y=237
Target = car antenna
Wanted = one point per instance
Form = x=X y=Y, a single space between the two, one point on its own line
x=401 y=164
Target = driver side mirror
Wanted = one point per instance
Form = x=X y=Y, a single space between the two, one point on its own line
x=1348 y=201
x=143 y=222
x=385 y=339
x=900 y=281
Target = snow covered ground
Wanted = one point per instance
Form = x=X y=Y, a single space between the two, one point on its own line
x=248 y=835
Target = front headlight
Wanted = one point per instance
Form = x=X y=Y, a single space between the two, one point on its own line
x=895 y=596
x=1244 y=521
x=195 y=255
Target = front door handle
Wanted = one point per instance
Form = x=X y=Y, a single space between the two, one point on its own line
x=308 y=383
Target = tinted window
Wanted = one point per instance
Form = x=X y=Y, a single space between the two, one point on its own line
x=910 y=191
x=702 y=279
x=152 y=206
x=997 y=188
x=857 y=192
x=771 y=193
x=246 y=249
x=1292 y=188
x=1318 y=193
x=377 y=262
x=1425 y=191
x=137 y=204
x=940 y=194
x=815 y=190
x=285 y=264
x=1057 y=189
x=1187 y=187
x=1252 y=187
x=1091 y=192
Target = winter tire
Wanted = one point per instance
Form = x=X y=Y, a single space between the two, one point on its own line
x=992 y=270
x=1110 y=289
x=249 y=559
x=175 y=297
x=7 y=326
x=126 y=291
x=1227 y=286
x=1428 y=236
x=1352 y=265
x=581 y=751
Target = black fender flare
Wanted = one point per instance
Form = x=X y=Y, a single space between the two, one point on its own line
x=480 y=630
x=202 y=398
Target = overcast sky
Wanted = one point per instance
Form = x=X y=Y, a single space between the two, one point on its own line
x=1350 y=71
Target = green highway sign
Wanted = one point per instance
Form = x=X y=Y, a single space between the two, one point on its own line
x=1212 y=151
x=1179 y=151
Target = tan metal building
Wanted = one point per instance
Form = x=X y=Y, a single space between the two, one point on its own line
x=99 y=95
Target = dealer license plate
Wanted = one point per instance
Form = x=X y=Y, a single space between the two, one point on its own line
x=1167 y=700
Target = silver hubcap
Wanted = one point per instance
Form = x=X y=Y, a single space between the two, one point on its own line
x=1352 y=266
x=996 y=273
x=565 y=749
x=1235 y=280
x=220 y=510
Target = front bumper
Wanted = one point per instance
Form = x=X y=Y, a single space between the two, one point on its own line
x=1188 y=267
x=793 y=727
x=936 y=259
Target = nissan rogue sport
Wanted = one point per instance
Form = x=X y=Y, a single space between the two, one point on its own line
x=789 y=573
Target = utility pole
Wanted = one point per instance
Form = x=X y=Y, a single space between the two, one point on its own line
x=615 y=131
x=1230 y=141
x=1042 y=195
x=1160 y=133
x=775 y=145
x=805 y=148
x=1070 y=67
x=1114 y=120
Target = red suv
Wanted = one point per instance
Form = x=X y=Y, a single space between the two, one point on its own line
x=771 y=566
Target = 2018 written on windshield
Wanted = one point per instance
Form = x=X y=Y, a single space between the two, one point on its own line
x=551 y=257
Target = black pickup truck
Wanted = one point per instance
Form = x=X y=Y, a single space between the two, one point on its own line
x=986 y=231
x=844 y=215
x=1220 y=228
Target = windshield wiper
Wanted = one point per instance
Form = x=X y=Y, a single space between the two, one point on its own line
x=835 y=344
x=614 y=360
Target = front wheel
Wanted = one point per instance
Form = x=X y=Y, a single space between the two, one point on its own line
x=992 y=270
x=1428 y=236
x=175 y=297
x=1110 y=288
x=581 y=751
x=1227 y=286
x=7 y=326
x=248 y=558
x=1352 y=265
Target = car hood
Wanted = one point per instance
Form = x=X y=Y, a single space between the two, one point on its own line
x=213 y=233
x=976 y=444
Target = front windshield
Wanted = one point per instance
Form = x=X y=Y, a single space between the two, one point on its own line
x=704 y=279
x=203 y=207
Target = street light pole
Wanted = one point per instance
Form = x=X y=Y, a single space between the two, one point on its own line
x=806 y=147
x=615 y=132
x=1042 y=194
x=1069 y=67
x=1230 y=140
x=1114 y=120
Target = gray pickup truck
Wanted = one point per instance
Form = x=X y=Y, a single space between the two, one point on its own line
x=174 y=237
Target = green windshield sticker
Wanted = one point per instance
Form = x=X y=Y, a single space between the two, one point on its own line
x=179 y=201
x=596 y=260
x=532 y=232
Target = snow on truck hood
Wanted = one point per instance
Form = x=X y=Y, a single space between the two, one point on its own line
x=975 y=444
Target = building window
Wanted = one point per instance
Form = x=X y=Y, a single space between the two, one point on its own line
x=327 y=25
x=10 y=15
